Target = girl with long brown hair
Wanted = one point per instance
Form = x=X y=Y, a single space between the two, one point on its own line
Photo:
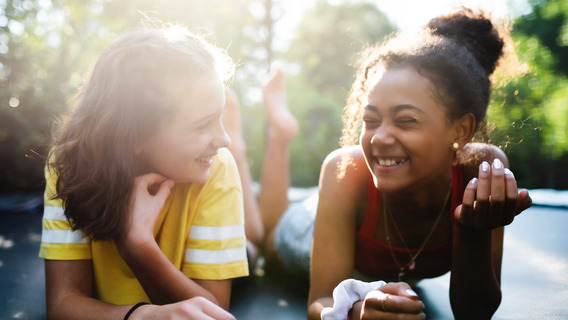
x=143 y=201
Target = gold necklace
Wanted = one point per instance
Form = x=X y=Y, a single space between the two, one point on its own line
x=412 y=262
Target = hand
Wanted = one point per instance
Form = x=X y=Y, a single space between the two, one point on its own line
x=393 y=300
x=195 y=308
x=492 y=200
x=150 y=193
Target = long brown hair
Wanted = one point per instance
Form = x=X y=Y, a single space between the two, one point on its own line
x=127 y=97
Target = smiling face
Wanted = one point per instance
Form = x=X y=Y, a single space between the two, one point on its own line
x=183 y=147
x=406 y=134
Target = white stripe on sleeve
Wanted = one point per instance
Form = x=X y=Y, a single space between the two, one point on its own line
x=54 y=213
x=62 y=236
x=215 y=256
x=217 y=233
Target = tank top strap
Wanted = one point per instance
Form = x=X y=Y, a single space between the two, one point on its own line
x=457 y=189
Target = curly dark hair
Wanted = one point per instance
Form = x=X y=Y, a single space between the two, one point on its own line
x=456 y=52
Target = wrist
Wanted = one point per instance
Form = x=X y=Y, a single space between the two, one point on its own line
x=138 y=311
x=136 y=250
x=465 y=231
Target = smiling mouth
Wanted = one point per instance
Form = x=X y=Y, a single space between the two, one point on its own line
x=204 y=159
x=391 y=162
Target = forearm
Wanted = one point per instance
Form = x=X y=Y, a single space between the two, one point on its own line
x=474 y=287
x=162 y=282
x=76 y=306
x=68 y=285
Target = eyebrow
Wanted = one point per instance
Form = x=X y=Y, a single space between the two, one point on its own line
x=397 y=108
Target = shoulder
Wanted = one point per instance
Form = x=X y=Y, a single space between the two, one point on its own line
x=473 y=154
x=344 y=172
x=224 y=167
x=345 y=163
x=225 y=158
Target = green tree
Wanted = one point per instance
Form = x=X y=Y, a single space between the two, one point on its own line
x=548 y=22
x=41 y=55
x=531 y=111
x=47 y=47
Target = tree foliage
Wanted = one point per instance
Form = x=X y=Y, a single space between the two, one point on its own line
x=530 y=111
x=47 y=47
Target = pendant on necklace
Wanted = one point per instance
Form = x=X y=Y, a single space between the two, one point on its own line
x=412 y=265
x=400 y=275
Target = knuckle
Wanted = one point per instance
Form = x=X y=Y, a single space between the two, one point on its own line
x=497 y=173
x=497 y=200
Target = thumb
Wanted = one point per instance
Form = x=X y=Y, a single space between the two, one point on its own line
x=524 y=201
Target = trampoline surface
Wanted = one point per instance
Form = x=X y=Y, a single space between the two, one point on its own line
x=534 y=278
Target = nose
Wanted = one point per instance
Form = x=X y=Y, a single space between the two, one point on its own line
x=383 y=135
x=221 y=138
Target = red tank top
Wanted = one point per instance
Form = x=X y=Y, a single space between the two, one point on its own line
x=374 y=258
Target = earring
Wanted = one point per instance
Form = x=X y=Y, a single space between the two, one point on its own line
x=455 y=146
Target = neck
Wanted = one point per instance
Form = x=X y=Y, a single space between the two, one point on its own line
x=422 y=203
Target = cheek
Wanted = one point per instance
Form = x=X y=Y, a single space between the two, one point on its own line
x=365 y=136
x=365 y=142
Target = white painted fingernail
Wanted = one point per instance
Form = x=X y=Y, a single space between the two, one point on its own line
x=508 y=172
x=473 y=181
x=484 y=166
x=411 y=292
x=497 y=164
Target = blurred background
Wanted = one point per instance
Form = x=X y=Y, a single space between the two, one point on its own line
x=47 y=48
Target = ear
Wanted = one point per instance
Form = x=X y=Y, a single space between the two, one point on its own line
x=464 y=129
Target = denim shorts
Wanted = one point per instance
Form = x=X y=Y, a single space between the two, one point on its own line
x=294 y=233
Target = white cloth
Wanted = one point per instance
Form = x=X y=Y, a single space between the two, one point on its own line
x=345 y=295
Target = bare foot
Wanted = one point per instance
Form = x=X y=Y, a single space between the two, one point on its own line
x=282 y=124
x=232 y=123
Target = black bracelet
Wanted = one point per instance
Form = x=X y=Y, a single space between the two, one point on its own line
x=134 y=308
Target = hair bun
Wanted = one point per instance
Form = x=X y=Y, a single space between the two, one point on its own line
x=474 y=31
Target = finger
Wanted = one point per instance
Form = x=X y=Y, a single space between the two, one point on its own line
x=464 y=212
x=151 y=182
x=372 y=314
x=165 y=189
x=497 y=200
x=153 y=178
x=386 y=302
x=512 y=197
x=214 y=311
x=149 y=179
x=481 y=206
x=400 y=289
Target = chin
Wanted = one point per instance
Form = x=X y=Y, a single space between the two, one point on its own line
x=385 y=186
x=201 y=178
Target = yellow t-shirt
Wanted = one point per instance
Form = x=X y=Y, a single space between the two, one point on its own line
x=200 y=230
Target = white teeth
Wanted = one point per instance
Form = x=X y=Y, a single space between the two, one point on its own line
x=390 y=162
